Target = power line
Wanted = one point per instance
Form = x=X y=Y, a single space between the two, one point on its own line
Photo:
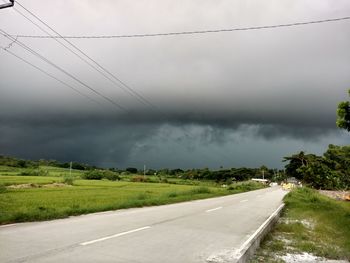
x=72 y=51
x=194 y=32
x=21 y=44
x=119 y=83
x=48 y=74
x=62 y=44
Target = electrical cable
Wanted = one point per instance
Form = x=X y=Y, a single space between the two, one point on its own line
x=194 y=32
x=124 y=86
x=50 y=75
x=21 y=44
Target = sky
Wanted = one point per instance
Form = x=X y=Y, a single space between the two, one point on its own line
x=230 y=99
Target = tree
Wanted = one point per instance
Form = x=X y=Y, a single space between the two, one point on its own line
x=131 y=170
x=330 y=171
x=297 y=161
x=343 y=115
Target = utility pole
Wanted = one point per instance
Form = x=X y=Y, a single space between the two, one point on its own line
x=70 y=169
x=12 y=3
x=144 y=170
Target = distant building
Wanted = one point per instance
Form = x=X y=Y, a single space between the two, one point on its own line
x=263 y=181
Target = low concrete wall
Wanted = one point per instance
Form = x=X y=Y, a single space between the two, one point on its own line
x=248 y=249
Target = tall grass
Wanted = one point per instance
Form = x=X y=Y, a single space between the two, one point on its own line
x=310 y=223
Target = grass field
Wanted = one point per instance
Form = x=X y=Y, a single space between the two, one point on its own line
x=311 y=223
x=41 y=202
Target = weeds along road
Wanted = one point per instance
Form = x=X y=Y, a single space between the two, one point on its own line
x=193 y=231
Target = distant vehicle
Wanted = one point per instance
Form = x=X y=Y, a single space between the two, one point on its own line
x=291 y=183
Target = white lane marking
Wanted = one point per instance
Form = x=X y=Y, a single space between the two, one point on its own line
x=245 y=200
x=8 y=225
x=113 y=236
x=211 y=210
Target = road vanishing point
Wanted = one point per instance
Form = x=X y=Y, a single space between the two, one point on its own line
x=198 y=231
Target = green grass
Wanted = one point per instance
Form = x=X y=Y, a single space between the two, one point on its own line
x=87 y=196
x=52 y=171
x=57 y=171
x=310 y=223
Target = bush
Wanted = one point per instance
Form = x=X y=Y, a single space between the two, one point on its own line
x=37 y=172
x=131 y=170
x=93 y=175
x=139 y=178
x=68 y=179
x=112 y=176
x=99 y=174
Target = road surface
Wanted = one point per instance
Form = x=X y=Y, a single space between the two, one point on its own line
x=197 y=231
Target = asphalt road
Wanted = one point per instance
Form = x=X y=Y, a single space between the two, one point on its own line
x=197 y=231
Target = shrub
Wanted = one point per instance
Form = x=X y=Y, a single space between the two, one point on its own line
x=112 y=176
x=131 y=170
x=98 y=175
x=139 y=178
x=37 y=172
x=68 y=179
x=93 y=175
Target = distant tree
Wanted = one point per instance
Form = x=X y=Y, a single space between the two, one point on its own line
x=177 y=171
x=264 y=171
x=338 y=159
x=131 y=170
x=297 y=161
x=330 y=171
x=78 y=166
x=343 y=115
x=318 y=175
x=151 y=172
x=22 y=163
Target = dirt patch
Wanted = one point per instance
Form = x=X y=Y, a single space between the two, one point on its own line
x=28 y=186
x=23 y=186
x=306 y=223
x=307 y=258
x=338 y=195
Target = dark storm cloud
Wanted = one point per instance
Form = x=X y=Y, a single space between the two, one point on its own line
x=209 y=91
x=92 y=142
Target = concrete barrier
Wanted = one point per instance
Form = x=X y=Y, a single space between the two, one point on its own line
x=249 y=247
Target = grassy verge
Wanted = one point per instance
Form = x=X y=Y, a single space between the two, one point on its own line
x=311 y=223
x=87 y=196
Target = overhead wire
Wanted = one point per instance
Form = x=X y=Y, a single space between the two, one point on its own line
x=36 y=54
x=117 y=81
x=48 y=74
x=195 y=32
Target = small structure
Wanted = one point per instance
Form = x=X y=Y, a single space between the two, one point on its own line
x=259 y=180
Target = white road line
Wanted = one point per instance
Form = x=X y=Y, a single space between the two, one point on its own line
x=113 y=236
x=211 y=210
x=7 y=225
x=245 y=200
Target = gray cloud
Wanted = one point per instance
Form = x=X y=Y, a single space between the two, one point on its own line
x=211 y=91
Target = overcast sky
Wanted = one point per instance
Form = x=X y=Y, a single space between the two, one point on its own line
x=243 y=98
